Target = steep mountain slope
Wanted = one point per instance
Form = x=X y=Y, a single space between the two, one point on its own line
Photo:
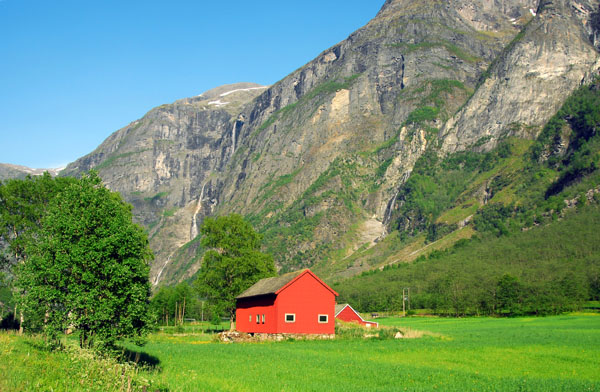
x=526 y=85
x=12 y=171
x=313 y=176
x=319 y=162
x=536 y=248
x=550 y=269
x=160 y=162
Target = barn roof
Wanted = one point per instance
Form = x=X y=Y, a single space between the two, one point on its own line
x=340 y=307
x=275 y=285
x=270 y=285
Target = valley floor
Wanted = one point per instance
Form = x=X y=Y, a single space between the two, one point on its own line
x=535 y=354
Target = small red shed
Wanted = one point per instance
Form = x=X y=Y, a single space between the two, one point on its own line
x=345 y=312
x=297 y=302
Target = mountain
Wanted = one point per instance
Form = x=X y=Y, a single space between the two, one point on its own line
x=161 y=162
x=15 y=171
x=321 y=162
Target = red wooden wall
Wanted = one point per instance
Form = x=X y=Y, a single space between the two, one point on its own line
x=248 y=308
x=348 y=315
x=306 y=297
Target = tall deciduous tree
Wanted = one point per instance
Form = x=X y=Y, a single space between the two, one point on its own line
x=88 y=268
x=23 y=204
x=232 y=263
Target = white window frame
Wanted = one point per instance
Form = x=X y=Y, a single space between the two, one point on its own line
x=250 y=318
x=293 y=317
x=263 y=318
x=326 y=318
x=258 y=319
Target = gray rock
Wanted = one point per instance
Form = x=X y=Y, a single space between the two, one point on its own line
x=257 y=151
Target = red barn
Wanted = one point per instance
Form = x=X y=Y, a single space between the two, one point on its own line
x=298 y=302
x=347 y=313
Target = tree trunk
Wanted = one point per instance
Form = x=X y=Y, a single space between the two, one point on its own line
x=176 y=313
x=231 y=323
x=22 y=320
x=183 y=311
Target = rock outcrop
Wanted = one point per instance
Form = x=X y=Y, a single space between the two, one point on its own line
x=527 y=84
x=316 y=160
x=163 y=164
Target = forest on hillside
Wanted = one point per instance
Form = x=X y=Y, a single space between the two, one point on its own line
x=535 y=247
x=542 y=271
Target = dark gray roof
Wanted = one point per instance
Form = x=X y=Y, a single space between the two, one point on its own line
x=270 y=285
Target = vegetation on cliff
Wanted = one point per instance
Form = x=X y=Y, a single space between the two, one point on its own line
x=534 y=209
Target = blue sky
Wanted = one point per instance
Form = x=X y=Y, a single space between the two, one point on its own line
x=73 y=72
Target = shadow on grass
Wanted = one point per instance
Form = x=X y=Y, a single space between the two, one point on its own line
x=9 y=323
x=140 y=358
x=215 y=330
x=145 y=361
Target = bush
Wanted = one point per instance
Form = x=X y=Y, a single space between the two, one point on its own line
x=492 y=218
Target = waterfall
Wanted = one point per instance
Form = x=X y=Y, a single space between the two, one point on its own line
x=194 y=230
x=157 y=279
x=390 y=207
x=388 y=211
x=233 y=135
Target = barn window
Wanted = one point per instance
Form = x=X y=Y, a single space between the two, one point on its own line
x=323 y=318
x=290 y=317
x=263 y=318
x=250 y=319
x=257 y=319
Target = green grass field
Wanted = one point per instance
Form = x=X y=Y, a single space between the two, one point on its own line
x=560 y=353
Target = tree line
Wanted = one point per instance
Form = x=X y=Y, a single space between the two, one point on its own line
x=547 y=270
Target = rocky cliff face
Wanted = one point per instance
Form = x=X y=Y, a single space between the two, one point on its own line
x=347 y=111
x=527 y=84
x=316 y=160
x=163 y=162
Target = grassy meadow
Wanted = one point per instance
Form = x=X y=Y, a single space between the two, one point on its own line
x=556 y=353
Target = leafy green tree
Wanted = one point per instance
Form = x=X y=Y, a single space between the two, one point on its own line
x=6 y=299
x=161 y=304
x=171 y=303
x=22 y=205
x=232 y=263
x=492 y=218
x=508 y=295
x=87 y=270
x=594 y=284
